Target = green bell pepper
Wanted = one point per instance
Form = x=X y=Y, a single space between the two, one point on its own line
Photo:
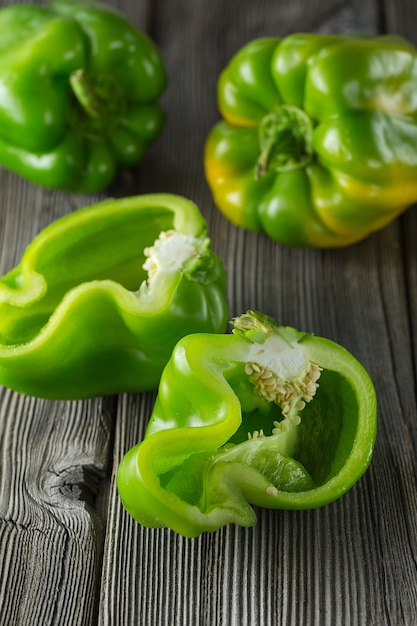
x=102 y=295
x=318 y=146
x=78 y=87
x=267 y=416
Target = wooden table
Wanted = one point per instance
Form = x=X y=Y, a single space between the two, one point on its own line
x=70 y=554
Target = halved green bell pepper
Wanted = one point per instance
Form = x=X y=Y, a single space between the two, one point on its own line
x=318 y=146
x=267 y=416
x=78 y=87
x=102 y=295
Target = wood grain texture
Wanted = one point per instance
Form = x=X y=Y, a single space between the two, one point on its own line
x=70 y=553
x=53 y=456
x=340 y=564
x=399 y=18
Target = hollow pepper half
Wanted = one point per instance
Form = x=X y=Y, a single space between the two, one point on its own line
x=78 y=87
x=318 y=142
x=266 y=416
x=102 y=295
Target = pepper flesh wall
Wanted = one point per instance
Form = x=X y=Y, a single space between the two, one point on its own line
x=102 y=295
x=79 y=86
x=265 y=416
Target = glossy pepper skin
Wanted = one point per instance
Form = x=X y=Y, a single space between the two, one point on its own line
x=78 y=86
x=318 y=143
x=102 y=295
x=266 y=416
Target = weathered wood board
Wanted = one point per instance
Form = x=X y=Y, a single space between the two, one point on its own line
x=70 y=553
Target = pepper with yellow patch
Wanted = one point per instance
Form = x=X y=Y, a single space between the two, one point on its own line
x=318 y=143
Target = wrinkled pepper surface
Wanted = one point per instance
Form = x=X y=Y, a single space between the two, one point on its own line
x=318 y=146
x=102 y=295
x=78 y=87
x=266 y=416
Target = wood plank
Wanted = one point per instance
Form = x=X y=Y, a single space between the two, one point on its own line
x=399 y=18
x=352 y=562
x=50 y=538
x=53 y=455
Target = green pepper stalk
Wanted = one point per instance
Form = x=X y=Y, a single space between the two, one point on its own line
x=102 y=295
x=79 y=87
x=266 y=416
x=317 y=146
x=285 y=141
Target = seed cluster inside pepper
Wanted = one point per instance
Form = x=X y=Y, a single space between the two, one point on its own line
x=290 y=395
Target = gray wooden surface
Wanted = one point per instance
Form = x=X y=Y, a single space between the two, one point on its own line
x=70 y=554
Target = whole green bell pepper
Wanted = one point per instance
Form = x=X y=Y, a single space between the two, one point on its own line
x=102 y=295
x=318 y=146
x=78 y=87
x=267 y=416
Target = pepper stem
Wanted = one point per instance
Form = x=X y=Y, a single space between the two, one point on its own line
x=257 y=327
x=254 y=325
x=100 y=100
x=285 y=140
